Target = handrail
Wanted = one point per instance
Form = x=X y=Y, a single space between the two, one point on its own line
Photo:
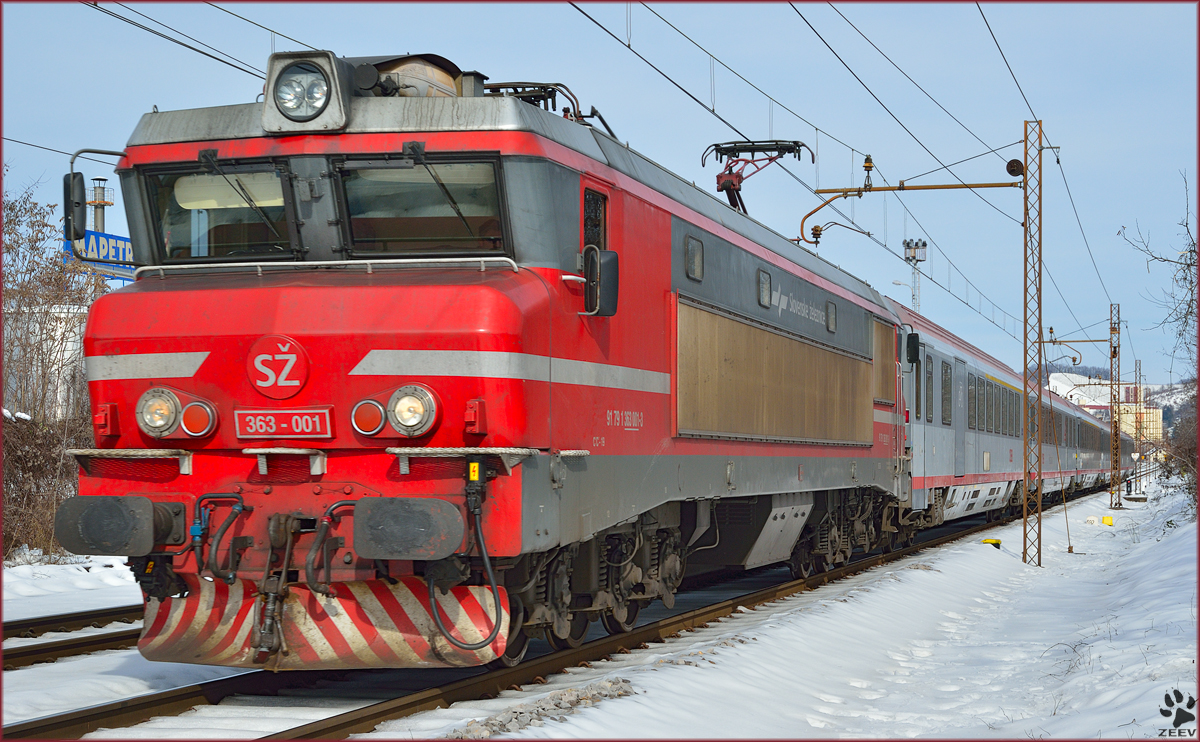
x=482 y=261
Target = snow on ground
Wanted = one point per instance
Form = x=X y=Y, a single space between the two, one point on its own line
x=50 y=688
x=78 y=682
x=964 y=641
x=88 y=583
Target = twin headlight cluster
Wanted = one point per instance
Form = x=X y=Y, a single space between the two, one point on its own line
x=160 y=413
x=301 y=91
x=411 y=411
x=306 y=92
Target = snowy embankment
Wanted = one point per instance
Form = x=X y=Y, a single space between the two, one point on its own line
x=964 y=641
x=89 y=583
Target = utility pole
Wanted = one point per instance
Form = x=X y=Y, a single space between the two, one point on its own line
x=1137 y=422
x=1114 y=397
x=1031 y=511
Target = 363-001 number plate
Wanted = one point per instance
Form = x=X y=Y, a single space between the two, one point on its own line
x=311 y=422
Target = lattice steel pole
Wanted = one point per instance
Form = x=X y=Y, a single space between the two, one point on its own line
x=1031 y=520
x=1137 y=422
x=1114 y=396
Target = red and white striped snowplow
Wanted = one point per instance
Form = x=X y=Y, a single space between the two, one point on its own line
x=368 y=623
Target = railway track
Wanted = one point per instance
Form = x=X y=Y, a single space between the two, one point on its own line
x=54 y=650
x=128 y=712
x=31 y=627
x=49 y=651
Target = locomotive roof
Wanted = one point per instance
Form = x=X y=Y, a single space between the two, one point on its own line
x=371 y=115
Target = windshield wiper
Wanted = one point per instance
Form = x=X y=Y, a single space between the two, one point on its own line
x=236 y=184
x=449 y=198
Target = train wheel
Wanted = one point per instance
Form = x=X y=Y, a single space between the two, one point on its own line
x=891 y=541
x=575 y=637
x=802 y=565
x=613 y=626
x=514 y=651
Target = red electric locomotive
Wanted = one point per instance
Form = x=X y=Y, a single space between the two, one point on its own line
x=415 y=368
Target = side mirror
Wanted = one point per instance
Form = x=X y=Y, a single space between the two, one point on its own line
x=913 y=348
x=74 y=207
x=602 y=275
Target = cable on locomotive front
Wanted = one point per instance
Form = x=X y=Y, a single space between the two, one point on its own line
x=476 y=484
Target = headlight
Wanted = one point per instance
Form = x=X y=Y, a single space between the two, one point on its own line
x=301 y=91
x=158 y=412
x=411 y=410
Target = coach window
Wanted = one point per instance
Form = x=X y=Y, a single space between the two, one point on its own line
x=947 y=382
x=1003 y=411
x=929 y=388
x=917 y=386
x=971 y=401
x=985 y=408
x=595 y=216
x=993 y=410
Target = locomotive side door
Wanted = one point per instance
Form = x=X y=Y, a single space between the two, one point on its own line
x=958 y=384
x=917 y=430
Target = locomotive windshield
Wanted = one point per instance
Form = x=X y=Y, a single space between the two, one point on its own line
x=227 y=214
x=447 y=207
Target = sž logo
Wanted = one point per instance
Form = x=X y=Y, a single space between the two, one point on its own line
x=277 y=366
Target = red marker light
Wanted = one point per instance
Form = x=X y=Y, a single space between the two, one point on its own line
x=367 y=417
x=198 y=419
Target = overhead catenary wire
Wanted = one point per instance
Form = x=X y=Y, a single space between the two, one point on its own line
x=914 y=82
x=190 y=38
x=1057 y=159
x=59 y=151
x=844 y=144
x=160 y=34
x=265 y=28
x=896 y=118
x=947 y=112
x=933 y=280
x=957 y=121
x=966 y=159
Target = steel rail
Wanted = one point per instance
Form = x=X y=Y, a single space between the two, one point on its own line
x=491 y=684
x=130 y=711
x=30 y=627
x=53 y=650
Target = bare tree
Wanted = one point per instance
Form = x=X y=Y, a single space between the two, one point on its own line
x=1178 y=302
x=45 y=302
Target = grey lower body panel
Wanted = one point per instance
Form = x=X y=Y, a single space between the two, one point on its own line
x=589 y=494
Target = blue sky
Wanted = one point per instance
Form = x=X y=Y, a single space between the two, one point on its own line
x=1115 y=85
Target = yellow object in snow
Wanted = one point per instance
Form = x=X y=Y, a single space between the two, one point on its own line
x=1107 y=520
x=993 y=541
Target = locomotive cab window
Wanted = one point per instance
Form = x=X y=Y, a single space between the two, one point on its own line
x=238 y=212
x=429 y=208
